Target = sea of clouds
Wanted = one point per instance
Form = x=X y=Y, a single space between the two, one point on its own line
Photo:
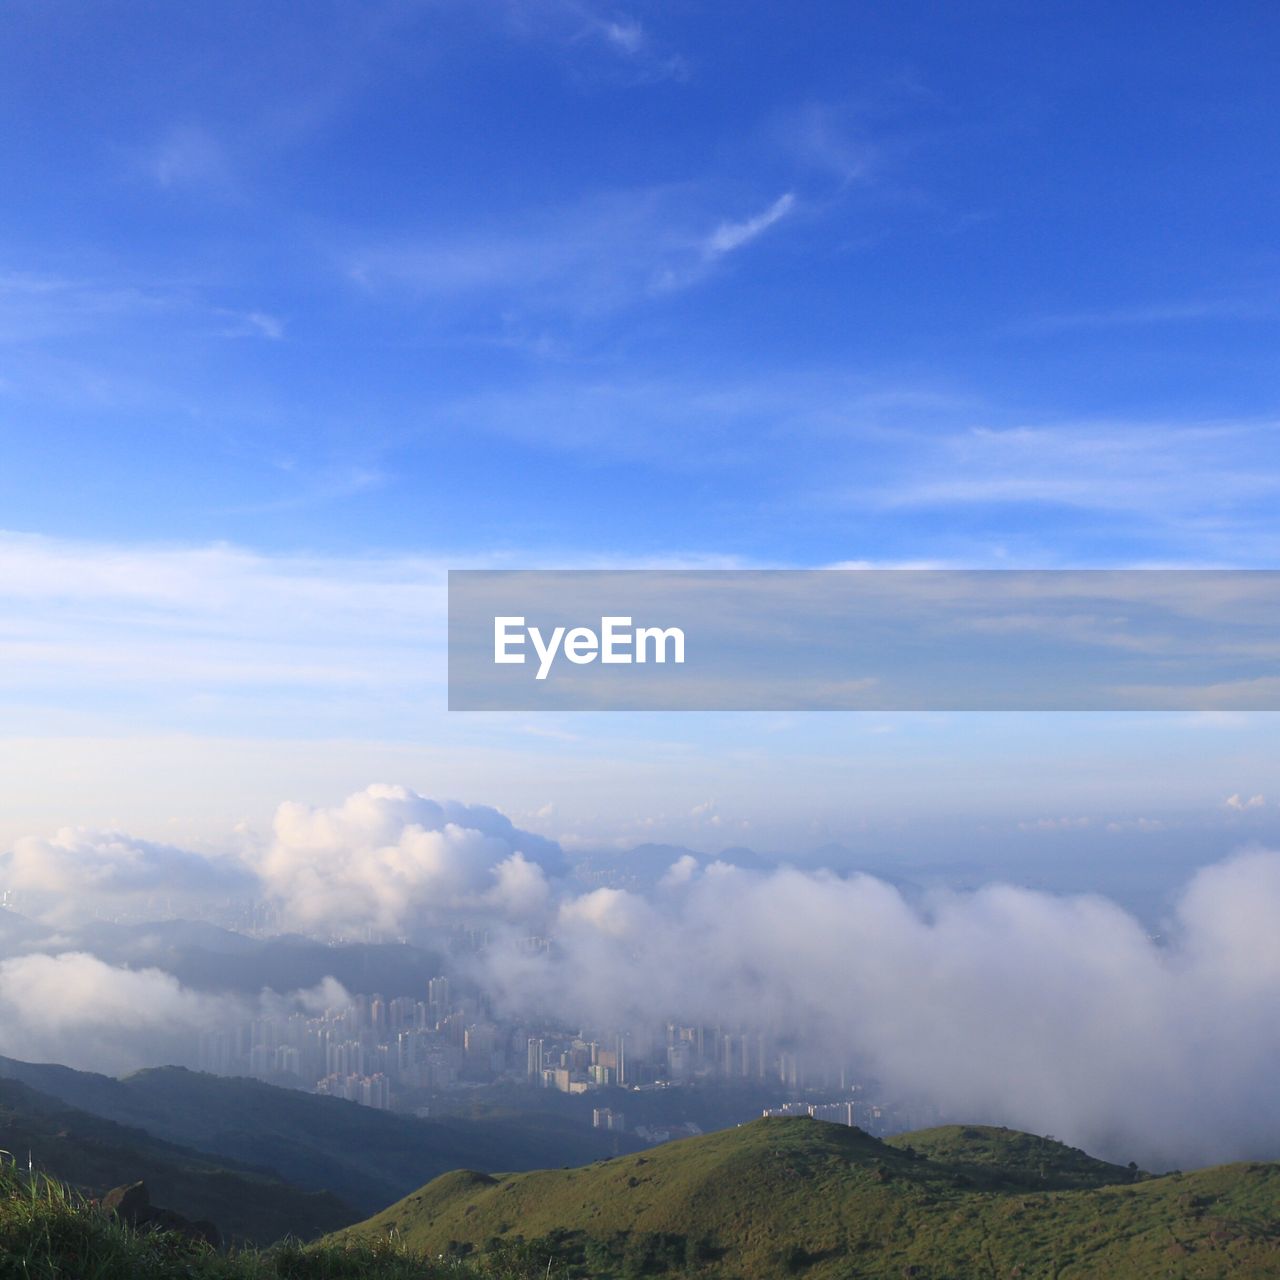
x=1054 y=1013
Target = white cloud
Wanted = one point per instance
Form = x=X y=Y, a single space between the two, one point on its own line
x=389 y=858
x=681 y=872
x=830 y=139
x=78 y=870
x=584 y=30
x=613 y=913
x=254 y=324
x=1168 y=471
x=77 y=1010
x=1240 y=803
x=214 y=617
x=611 y=251
x=1056 y=1014
x=189 y=156
x=625 y=34
x=729 y=236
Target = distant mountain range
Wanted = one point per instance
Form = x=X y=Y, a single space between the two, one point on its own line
x=364 y=1159
x=782 y=1197
x=642 y=867
x=95 y=1155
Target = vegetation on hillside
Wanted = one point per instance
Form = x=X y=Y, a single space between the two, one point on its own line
x=48 y=1232
x=783 y=1197
x=775 y=1198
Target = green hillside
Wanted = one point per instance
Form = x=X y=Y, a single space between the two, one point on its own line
x=784 y=1197
x=48 y=1232
x=1006 y=1159
x=365 y=1157
x=96 y=1155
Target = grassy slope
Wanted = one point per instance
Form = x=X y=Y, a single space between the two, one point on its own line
x=48 y=1233
x=1007 y=1159
x=368 y=1158
x=96 y=1155
x=795 y=1196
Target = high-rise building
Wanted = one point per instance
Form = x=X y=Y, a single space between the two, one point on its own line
x=535 y=1067
x=438 y=998
x=679 y=1060
x=833 y=1112
x=375 y=1091
x=789 y=1070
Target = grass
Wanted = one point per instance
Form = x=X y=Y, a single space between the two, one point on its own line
x=782 y=1197
x=49 y=1232
x=775 y=1198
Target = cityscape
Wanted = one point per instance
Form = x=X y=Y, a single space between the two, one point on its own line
x=397 y=1053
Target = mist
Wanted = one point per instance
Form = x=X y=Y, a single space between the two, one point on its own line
x=1055 y=1013
x=77 y=1010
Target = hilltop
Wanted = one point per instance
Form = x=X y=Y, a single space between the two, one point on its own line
x=796 y=1196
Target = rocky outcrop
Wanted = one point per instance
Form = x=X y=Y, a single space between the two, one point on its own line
x=132 y=1204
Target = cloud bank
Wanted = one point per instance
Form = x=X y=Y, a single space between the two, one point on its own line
x=78 y=865
x=1006 y=1005
x=388 y=858
x=78 y=1010
x=1053 y=1013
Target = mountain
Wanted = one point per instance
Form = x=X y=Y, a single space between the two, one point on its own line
x=365 y=1157
x=642 y=867
x=795 y=1196
x=207 y=958
x=95 y=1155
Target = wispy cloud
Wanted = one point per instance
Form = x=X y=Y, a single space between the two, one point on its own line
x=1152 y=492
x=626 y=35
x=606 y=46
x=35 y=306
x=84 y=621
x=250 y=324
x=612 y=250
x=829 y=139
x=1195 y=311
x=189 y=156
x=729 y=236
x=89 y=616
x=1171 y=473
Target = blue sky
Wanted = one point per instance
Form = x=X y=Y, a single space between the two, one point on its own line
x=298 y=307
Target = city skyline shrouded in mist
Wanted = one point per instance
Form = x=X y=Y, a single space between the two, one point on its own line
x=1052 y=1012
